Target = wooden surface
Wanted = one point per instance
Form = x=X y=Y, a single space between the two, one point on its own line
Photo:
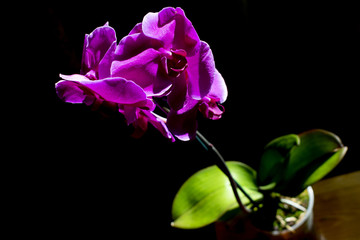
x=337 y=207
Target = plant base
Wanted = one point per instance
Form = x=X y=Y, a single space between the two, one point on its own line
x=241 y=228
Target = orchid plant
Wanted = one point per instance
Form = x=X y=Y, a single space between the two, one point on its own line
x=162 y=65
x=289 y=164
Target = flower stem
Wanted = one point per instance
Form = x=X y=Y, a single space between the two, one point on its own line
x=220 y=163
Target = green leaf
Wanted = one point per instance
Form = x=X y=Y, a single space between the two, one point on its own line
x=207 y=195
x=318 y=153
x=326 y=167
x=274 y=160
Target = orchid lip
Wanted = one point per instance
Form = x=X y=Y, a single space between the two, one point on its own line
x=177 y=63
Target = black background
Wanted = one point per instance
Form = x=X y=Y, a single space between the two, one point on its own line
x=289 y=67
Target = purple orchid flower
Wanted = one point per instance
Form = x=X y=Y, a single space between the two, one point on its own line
x=165 y=56
x=161 y=57
x=94 y=86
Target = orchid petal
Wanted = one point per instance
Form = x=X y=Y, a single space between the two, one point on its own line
x=176 y=98
x=130 y=114
x=70 y=92
x=144 y=70
x=218 y=87
x=105 y=63
x=136 y=29
x=118 y=90
x=183 y=123
x=201 y=71
x=73 y=77
x=186 y=36
x=160 y=26
x=133 y=44
x=159 y=123
x=96 y=44
x=210 y=109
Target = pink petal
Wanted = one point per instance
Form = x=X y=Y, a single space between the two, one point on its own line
x=177 y=96
x=159 y=123
x=143 y=69
x=140 y=126
x=74 y=77
x=145 y=117
x=218 y=88
x=105 y=63
x=130 y=113
x=186 y=37
x=173 y=29
x=136 y=29
x=117 y=90
x=210 y=109
x=166 y=15
x=201 y=71
x=183 y=123
x=70 y=92
x=96 y=44
x=160 y=26
x=133 y=44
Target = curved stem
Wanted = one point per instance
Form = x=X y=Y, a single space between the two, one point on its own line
x=222 y=166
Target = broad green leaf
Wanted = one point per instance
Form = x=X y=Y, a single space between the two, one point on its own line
x=274 y=160
x=326 y=167
x=314 y=144
x=207 y=195
x=318 y=153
